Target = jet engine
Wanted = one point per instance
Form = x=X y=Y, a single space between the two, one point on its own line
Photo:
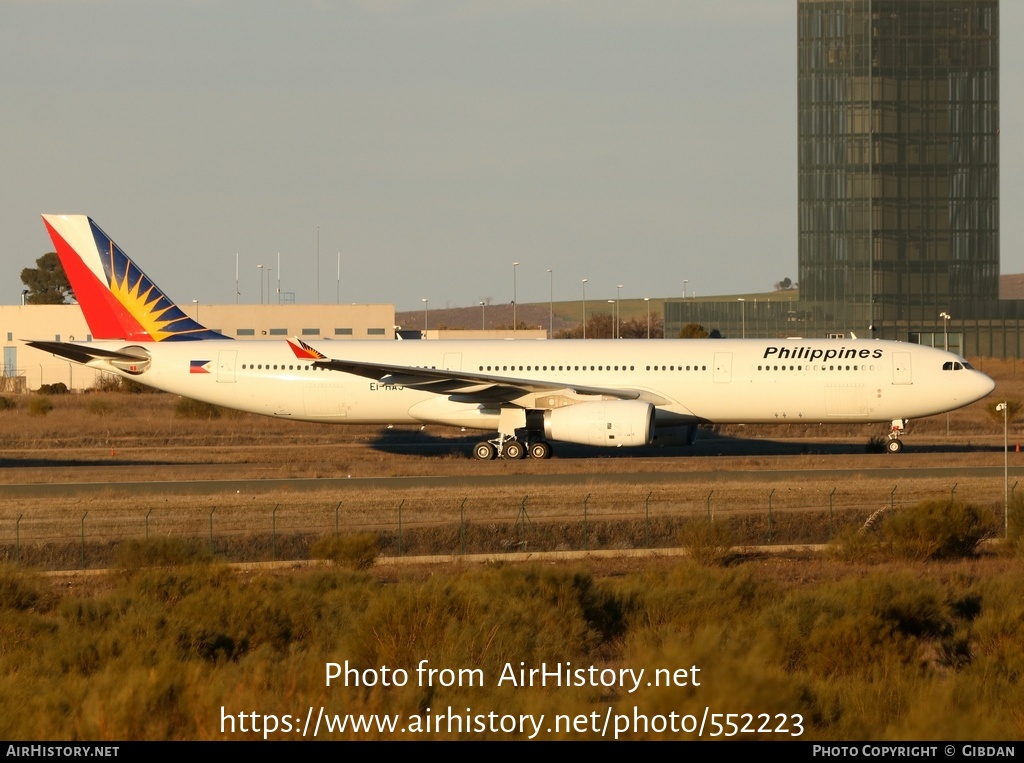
x=608 y=423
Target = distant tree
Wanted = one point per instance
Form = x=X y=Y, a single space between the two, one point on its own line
x=784 y=285
x=693 y=331
x=599 y=326
x=47 y=283
x=636 y=328
x=520 y=326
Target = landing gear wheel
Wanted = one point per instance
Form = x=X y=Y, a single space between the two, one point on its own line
x=484 y=451
x=540 y=450
x=513 y=450
x=894 y=446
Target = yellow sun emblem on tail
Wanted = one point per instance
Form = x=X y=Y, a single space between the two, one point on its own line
x=146 y=303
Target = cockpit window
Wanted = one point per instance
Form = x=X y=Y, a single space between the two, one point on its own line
x=952 y=365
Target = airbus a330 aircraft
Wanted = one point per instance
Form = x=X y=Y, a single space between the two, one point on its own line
x=611 y=393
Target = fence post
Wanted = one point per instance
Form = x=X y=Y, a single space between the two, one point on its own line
x=771 y=528
x=952 y=493
x=892 y=506
x=831 y=514
x=709 y=504
x=83 y=538
x=400 y=505
x=273 y=532
x=586 y=529
x=17 y=538
x=336 y=509
x=211 y=528
x=147 y=524
x=647 y=520
x=462 y=527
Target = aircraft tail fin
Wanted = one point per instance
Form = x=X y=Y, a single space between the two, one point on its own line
x=119 y=300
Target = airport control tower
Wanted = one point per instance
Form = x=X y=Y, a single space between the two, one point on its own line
x=898 y=162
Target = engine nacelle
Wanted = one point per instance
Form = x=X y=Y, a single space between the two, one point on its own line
x=608 y=423
x=135 y=367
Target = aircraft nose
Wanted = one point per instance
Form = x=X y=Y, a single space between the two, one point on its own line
x=983 y=385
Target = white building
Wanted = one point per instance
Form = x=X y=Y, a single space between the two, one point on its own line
x=26 y=368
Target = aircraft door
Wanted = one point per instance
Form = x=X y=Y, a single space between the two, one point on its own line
x=723 y=367
x=901 y=370
x=226 y=365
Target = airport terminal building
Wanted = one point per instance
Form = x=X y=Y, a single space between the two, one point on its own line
x=26 y=368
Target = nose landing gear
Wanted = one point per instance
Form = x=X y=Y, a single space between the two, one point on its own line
x=895 y=444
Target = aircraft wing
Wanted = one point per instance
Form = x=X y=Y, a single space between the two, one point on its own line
x=449 y=381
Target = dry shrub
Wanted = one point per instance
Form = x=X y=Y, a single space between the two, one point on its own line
x=928 y=530
x=875 y=444
x=161 y=552
x=6 y=404
x=110 y=383
x=39 y=406
x=100 y=407
x=187 y=408
x=60 y=388
x=17 y=591
x=356 y=551
x=708 y=543
x=1013 y=545
x=938 y=530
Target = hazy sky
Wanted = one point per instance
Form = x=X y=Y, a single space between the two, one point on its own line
x=433 y=142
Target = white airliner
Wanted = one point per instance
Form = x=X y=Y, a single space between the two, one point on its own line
x=611 y=393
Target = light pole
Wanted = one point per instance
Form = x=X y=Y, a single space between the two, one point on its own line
x=551 y=303
x=615 y=306
x=685 y=281
x=483 y=316
x=584 y=308
x=425 y=304
x=743 y=316
x=1006 y=477
x=648 y=301
x=945 y=345
x=618 y=311
x=515 y=268
x=260 y=268
x=196 y=303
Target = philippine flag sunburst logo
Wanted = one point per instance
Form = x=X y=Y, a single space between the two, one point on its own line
x=304 y=352
x=150 y=308
x=199 y=366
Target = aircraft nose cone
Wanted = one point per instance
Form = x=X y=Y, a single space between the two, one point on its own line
x=984 y=385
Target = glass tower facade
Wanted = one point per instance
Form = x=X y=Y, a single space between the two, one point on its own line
x=898 y=163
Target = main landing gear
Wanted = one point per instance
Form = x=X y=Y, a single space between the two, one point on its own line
x=511 y=449
x=894 y=443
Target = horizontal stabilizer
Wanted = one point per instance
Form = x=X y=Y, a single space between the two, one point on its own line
x=83 y=353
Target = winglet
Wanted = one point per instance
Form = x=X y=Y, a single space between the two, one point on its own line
x=304 y=352
x=118 y=299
